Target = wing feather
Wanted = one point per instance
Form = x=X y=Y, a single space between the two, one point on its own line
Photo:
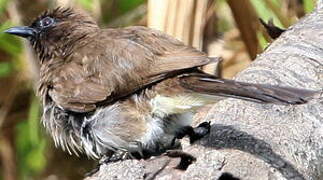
x=129 y=60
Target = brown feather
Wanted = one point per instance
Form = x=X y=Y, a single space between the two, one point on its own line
x=102 y=72
x=83 y=66
x=261 y=93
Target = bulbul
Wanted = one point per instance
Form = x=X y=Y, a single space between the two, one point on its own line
x=132 y=90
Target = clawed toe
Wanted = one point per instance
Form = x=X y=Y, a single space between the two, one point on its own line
x=133 y=151
x=118 y=156
x=200 y=131
x=206 y=125
x=115 y=157
x=194 y=133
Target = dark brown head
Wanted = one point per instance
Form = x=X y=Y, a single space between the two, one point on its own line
x=56 y=32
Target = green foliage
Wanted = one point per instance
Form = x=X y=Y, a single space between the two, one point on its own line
x=309 y=5
x=3 y=4
x=224 y=23
x=266 y=13
x=126 y=5
x=9 y=44
x=5 y=69
x=118 y=8
x=262 y=41
x=30 y=145
x=86 y=4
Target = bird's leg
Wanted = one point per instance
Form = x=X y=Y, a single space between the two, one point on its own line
x=194 y=133
x=118 y=155
x=134 y=151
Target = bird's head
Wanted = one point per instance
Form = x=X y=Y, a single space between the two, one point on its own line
x=55 y=32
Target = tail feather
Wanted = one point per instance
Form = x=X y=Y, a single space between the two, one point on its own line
x=260 y=93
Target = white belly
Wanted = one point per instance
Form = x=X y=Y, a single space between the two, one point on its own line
x=170 y=114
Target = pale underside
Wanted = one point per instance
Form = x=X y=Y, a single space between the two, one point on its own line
x=109 y=130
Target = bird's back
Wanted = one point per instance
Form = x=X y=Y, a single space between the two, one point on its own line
x=114 y=63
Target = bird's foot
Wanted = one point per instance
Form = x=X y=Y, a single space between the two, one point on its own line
x=194 y=133
x=200 y=131
x=134 y=151
x=119 y=155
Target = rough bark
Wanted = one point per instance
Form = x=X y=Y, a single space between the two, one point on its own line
x=256 y=141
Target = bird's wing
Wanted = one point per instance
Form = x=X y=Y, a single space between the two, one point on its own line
x=119 y=63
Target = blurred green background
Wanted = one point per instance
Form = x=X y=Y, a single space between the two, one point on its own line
x=26 y=151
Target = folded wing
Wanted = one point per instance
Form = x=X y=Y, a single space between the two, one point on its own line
x=131 y=59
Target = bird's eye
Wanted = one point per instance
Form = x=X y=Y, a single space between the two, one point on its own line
x=46 y=22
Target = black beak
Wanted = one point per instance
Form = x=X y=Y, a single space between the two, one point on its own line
x=22 y=31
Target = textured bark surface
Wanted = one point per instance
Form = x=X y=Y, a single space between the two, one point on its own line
x=256 y=141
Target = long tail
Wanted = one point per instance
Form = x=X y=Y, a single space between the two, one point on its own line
x=261 y=93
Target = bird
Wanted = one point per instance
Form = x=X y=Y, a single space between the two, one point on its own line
x=127 y=92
